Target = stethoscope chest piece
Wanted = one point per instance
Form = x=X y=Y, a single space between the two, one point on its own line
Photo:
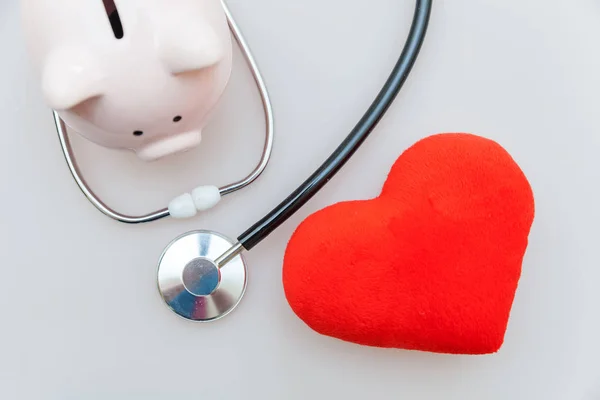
x=190 y=282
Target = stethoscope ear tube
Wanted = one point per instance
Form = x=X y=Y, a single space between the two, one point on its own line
x=255 y=234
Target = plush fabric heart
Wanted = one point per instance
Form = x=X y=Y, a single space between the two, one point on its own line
x=431 y=264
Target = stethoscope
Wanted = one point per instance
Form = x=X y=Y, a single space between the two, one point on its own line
x=202 y=274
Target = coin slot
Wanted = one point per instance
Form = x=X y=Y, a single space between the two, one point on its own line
x=114 y=18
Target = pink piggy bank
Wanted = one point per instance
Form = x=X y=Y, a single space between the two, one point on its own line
x=142 y=75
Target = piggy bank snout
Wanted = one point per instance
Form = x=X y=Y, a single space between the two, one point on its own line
x=169 y=145
x=150 y=139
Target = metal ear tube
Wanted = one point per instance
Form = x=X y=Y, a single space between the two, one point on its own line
x=190 y=207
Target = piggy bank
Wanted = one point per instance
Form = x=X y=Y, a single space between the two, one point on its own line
x=142 y=75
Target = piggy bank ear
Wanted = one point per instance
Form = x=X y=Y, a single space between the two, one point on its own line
x=185 y=47
x=71 y=76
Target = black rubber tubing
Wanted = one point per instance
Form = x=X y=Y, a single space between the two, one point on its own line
x=263 y=228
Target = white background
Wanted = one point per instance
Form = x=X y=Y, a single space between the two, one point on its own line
x=80 y=316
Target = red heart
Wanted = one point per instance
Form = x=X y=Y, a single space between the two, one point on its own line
x=432 y=264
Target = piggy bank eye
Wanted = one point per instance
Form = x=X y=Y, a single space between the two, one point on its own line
x=113 y=17
x=177 y=118
x=138 y=133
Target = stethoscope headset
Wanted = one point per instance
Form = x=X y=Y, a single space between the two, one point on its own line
x=202 y=274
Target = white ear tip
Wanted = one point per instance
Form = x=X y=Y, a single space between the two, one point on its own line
x=182 y=207
x=206 y=197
